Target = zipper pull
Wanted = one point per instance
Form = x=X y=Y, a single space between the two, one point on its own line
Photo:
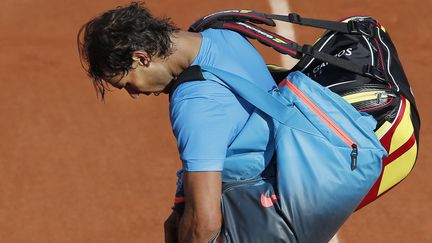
x=379 y=97
x=275 y=89
x=354 y=154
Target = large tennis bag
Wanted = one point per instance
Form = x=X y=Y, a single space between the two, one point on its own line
x=356 y=59
x=387 y=96
x=327 y=159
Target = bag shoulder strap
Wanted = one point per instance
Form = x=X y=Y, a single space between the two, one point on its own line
x=242 y=22
x=192 y=73
x=349 y=27
x=245 y=89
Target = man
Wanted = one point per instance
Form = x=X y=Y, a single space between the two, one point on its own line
x=128 y=48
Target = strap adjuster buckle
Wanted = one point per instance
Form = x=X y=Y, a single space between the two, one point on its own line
x=294 y=18
x=307 y=50
x=361 y=27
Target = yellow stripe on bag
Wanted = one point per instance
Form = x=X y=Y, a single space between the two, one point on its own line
x=383 y=129
x=404 y=131
x=398 y=169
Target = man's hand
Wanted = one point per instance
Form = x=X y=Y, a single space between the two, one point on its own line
x=202 y=218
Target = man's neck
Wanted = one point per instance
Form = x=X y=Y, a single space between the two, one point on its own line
x=186 y=46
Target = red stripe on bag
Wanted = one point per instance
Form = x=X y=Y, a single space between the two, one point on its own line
x=401 y=150
x=380 y=54
x=258 y=37
x=386 y=139
x=373 y=192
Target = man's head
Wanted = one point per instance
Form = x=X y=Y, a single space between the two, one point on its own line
x=122 y=40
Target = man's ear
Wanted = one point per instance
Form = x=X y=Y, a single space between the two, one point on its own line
x=141 y=57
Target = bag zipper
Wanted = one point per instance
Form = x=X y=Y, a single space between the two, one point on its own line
x=338 y=131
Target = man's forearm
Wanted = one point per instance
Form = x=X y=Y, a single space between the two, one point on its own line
x=201 y=219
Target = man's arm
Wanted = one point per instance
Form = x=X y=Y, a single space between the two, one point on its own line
x=201 y=219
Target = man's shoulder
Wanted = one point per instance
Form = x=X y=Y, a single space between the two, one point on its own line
x=200 y=89
x=227 y=37
x=219 y=32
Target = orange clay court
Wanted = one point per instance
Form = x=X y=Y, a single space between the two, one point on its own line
x=75 y=170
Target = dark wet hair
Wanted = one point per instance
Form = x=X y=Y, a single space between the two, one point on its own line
x=106 y=43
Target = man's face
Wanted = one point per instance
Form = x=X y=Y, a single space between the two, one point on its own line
x=144 y=78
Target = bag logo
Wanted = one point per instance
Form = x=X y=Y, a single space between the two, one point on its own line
x=266 y=200
x=316 y=71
